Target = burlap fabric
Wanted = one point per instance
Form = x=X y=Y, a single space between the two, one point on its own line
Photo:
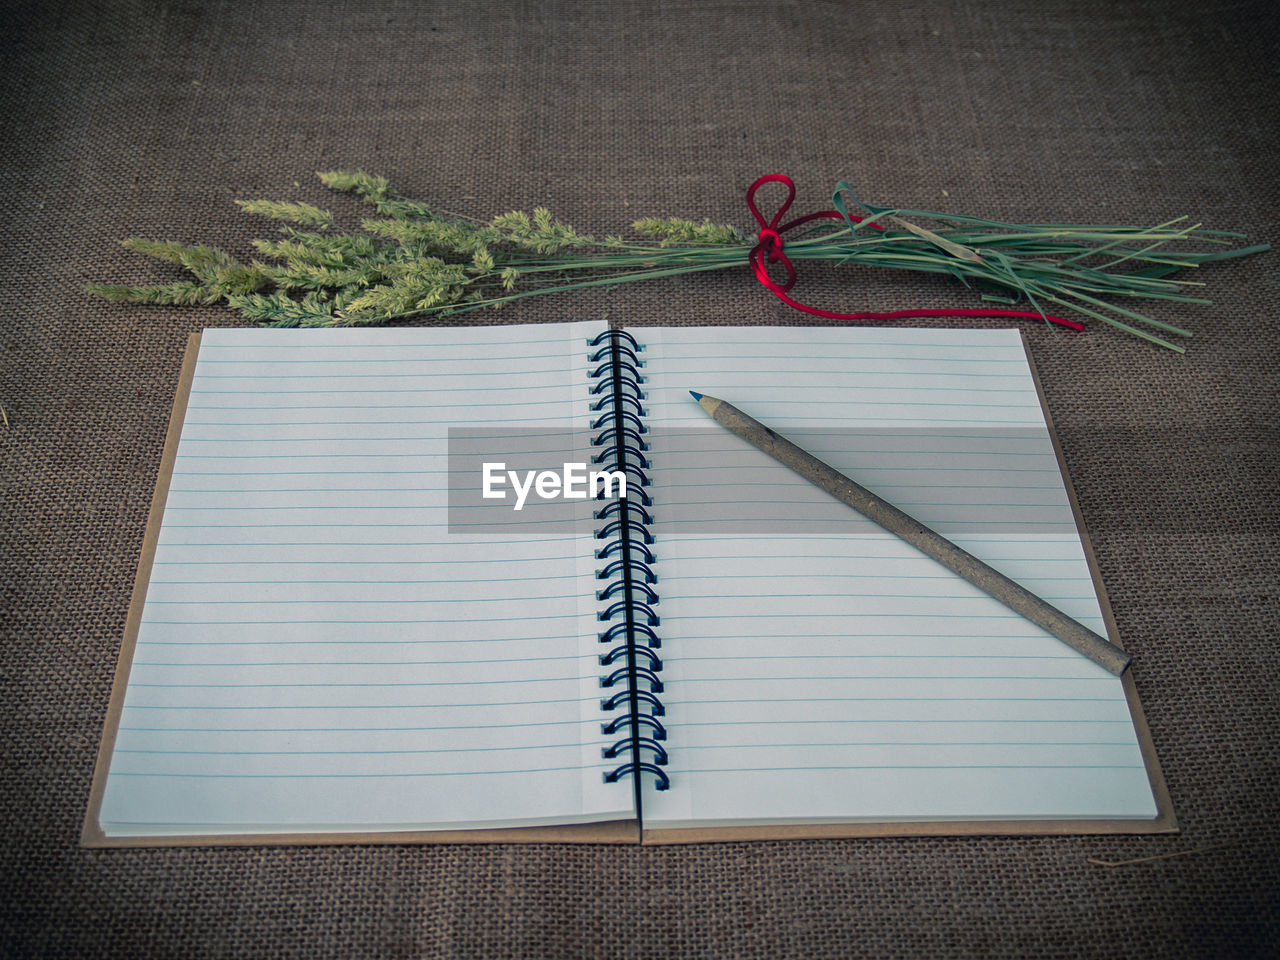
x=149 y=119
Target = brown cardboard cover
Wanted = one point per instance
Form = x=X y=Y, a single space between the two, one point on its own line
x=613 y=832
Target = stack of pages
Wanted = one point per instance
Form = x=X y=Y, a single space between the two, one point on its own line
x=330 y=641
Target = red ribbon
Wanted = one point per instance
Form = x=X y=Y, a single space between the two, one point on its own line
x=770 y=243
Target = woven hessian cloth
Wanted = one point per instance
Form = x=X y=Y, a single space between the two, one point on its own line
x=149 y=119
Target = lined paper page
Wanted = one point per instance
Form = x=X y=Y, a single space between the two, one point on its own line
x=820 y=669
x=319 y=650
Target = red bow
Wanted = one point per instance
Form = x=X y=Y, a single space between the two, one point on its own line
x=770 y=246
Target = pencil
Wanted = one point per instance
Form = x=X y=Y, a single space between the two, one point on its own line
x=929 y=542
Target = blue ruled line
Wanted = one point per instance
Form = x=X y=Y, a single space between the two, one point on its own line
x=922 y=766
x=278 y=623
x=364 y=706
x=354 y=776
x=380 y=684
x=346 y=753
x=355 y=663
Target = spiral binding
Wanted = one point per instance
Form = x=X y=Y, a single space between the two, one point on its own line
x=628 y=595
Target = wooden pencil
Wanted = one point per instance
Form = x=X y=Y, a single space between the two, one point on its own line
x=929 y=542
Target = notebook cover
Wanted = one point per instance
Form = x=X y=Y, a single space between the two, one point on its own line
x=613 y=832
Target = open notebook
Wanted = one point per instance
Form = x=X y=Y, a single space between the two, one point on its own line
x=333 y=638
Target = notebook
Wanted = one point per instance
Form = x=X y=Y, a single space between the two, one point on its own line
x=349 y=626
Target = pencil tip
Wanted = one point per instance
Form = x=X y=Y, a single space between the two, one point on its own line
x=695 y=395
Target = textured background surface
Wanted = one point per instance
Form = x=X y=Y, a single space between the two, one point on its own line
x=150 y=118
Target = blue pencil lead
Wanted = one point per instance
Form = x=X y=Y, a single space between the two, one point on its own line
x=695 y=395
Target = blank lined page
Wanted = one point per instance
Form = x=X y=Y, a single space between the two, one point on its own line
x=817 y=668
x=319 y=650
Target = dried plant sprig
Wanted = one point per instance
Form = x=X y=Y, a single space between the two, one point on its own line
x=412 y=261
x=303 y=213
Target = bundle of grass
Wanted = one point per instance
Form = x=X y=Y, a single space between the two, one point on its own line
x=412 y=261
